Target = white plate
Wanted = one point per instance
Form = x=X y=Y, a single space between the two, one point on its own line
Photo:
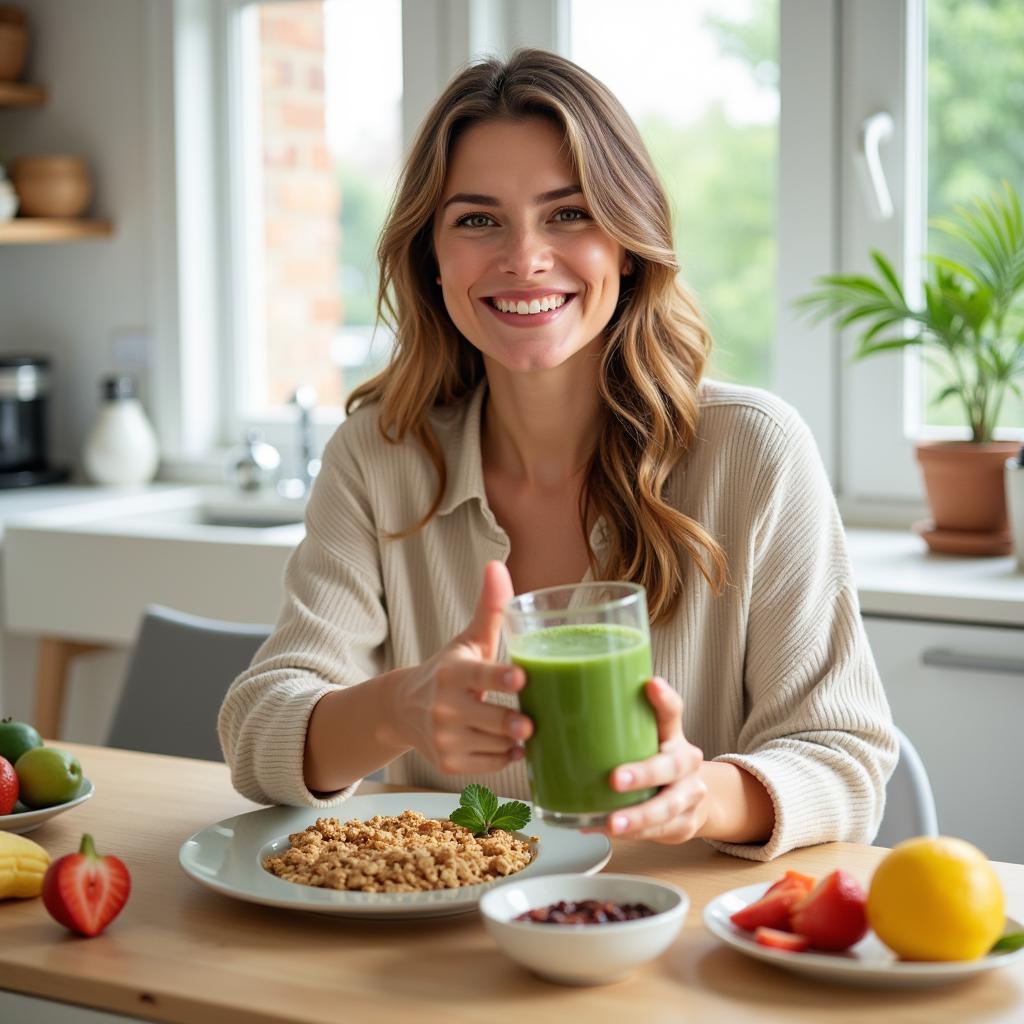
x=25 y=820
x=228 y=857
x=869 y=962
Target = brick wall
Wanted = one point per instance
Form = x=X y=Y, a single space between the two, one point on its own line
x=302 y=201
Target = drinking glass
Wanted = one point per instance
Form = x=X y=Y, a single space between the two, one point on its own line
x=586 y=651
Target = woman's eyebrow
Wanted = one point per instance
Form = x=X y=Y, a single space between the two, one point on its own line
x=477 y=199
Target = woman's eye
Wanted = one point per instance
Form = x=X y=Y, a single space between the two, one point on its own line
x=474 y=220
x=570 y=213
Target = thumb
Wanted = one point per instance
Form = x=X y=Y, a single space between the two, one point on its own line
x=485 y=626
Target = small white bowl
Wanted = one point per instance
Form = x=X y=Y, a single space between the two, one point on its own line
x=584 y=954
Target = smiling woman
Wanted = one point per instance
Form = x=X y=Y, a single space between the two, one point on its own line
x=544 y=419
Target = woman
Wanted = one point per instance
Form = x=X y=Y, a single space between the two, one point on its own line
x=544 y=420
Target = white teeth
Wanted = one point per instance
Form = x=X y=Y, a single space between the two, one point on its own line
x=524 y=308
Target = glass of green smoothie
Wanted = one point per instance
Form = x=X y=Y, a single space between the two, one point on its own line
x=586 y=651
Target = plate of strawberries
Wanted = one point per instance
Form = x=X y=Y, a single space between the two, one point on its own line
x=821 y=929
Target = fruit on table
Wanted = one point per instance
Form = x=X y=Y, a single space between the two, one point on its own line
x=48 y=776
x=16 y=738
x=8 y=786
x=773 y=909
x=23 y=865
x=775 y=939
x=936 y=898
x=806 y=882
x=84 y=891
x=832 y=916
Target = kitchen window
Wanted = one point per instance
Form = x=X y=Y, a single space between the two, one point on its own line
x=755 y=111
x=321 y=88
x=701 y=81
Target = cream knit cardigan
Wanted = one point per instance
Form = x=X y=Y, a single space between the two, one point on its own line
x=775 y=673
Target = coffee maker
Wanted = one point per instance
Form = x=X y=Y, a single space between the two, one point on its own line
x=24 y=400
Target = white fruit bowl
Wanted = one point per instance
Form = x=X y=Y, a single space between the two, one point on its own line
x=584 y=954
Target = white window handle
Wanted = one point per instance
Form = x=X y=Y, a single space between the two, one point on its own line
x=875 y=130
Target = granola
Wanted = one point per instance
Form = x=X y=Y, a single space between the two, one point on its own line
x=407 y=853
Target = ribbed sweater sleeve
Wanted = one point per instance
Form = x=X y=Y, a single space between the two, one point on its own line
x=330 y=633
x=818 y=733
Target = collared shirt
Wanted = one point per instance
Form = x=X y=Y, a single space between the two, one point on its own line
x=775 y=672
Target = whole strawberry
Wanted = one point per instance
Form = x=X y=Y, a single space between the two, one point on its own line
x=84 y=891
x=8 y=786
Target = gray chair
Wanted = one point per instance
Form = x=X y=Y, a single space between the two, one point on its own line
x=179 y=671
x=909 y=803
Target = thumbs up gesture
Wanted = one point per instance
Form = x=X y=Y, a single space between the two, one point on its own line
x=440 y=709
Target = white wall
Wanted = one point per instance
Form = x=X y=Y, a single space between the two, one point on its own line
x=73 y=301
x=70 y=301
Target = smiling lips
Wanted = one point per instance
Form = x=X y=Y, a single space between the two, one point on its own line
x=523 y=309
x=526 y=307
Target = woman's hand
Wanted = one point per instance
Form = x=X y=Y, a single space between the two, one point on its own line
x=439 y=707
x=680 y=809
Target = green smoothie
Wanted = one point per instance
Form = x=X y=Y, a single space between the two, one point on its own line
x=585 y=694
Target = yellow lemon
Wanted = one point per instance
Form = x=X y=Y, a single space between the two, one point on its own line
x=936 y=899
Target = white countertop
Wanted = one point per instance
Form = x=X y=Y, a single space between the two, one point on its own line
x=896 y=574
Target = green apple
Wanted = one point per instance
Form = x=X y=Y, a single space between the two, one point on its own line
x=16 y=738
x=48 y=776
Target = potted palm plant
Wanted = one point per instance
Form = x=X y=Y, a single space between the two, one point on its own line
x=970 y=326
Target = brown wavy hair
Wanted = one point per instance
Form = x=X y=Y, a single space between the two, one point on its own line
x=656 y=342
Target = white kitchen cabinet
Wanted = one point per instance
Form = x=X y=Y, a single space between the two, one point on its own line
x=957 y=690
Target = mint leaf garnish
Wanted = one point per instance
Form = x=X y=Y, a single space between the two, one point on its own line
x=511 y=816
x=1008 y=943
x=478 y=811
x=468 y=818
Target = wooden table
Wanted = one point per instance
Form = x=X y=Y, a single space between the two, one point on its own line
x=179 y=952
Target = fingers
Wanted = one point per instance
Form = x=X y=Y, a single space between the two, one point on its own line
x=462 y=671
x=676 y=760
x=668 y=708
x=674 y=815
x=487 y=719
x=484 y=628
x=478 y=764
x=470 y=750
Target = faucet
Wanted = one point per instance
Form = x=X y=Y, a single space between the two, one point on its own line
x=299 y=486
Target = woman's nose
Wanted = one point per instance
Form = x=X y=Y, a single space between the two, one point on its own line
x=526 y=253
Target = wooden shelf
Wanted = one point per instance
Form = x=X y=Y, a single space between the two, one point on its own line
x=33 y=230
x=17 y=94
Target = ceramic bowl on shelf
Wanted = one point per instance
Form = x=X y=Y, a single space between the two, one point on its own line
x=52 y=186
x=584 y=954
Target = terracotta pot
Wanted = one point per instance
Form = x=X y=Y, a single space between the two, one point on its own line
x=964 y=483
x=13 y=50
x=52 y=186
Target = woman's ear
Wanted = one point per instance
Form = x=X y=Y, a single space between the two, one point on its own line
x=627 y=267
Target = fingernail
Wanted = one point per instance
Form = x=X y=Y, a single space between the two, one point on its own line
x=619 y=823
x=625 y=778
x=510 y=677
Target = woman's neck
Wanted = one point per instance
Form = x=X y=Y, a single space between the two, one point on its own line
x=540 y=429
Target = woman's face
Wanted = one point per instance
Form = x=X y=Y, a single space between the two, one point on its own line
x=527 y=275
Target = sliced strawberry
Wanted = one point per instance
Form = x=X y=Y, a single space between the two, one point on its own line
x=833 y=916
x=8 y=786
x=770 y=911
x=775 y=939
x=85 y=892
x=806 y=882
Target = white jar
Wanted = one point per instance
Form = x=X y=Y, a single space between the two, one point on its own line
x=8 y=198
x=121 y=447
